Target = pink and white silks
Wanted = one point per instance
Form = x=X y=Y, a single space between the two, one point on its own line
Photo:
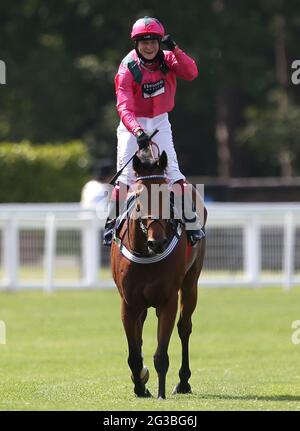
x=145 y=105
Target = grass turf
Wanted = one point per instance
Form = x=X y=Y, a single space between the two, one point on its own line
x=67 y=351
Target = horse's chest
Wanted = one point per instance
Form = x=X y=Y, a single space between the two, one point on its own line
x=150 y=291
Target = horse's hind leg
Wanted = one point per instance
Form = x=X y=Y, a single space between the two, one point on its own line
x=132 y=326
x=188 y=301
x=166 y=319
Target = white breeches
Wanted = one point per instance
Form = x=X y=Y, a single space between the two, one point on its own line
x=127 y=146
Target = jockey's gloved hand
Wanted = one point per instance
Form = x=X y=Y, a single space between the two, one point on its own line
x=169 y=42
x=142 y=139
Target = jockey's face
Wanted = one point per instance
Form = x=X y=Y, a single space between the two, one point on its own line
x=148 y=48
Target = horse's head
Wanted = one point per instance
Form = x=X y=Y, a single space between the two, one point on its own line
x=144 y=164
x=150 y=171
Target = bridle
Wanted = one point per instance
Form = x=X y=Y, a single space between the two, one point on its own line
x=145 y=228
x=137 y=257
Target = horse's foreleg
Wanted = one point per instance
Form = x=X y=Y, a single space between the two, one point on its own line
x=141 y=322
x=145 y=372
x=166 y=319
x=188 y=301
x=132 y=328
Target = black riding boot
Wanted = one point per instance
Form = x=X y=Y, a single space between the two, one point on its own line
x=116 y=204
x=193 y=225
x=110 y=224
x=195 y=235
x=108 y=232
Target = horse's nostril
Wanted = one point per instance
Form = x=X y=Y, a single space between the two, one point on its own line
x=151 y=244
x=157 y=245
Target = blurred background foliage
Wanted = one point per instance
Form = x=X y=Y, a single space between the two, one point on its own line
x=43 y=173
x=62 y=55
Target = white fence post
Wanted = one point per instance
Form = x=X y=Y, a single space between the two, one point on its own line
x=50 y=246
x=11 y=253
x=90 y=250
x=288 y=250
x=252 y=252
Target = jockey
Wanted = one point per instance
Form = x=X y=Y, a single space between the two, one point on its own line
x=145 y=89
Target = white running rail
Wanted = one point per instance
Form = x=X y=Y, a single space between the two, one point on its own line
x=54 y=246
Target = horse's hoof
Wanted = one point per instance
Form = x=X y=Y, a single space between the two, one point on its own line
x=148 y=394
x=182 y=388
x=144 y=375
x=161 y=398
x=145 y=394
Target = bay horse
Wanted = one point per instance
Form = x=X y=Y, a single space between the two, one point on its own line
x=152 y=267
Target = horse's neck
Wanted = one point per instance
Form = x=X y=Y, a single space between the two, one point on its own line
x=137 y=240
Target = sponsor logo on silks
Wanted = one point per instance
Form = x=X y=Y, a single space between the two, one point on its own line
x=153 y=89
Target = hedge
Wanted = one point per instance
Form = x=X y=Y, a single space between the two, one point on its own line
x=42 y=173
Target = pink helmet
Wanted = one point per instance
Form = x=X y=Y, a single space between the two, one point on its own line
x=147 y=28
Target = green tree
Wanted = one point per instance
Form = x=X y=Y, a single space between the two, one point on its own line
x=62 y=56
x=274 y=133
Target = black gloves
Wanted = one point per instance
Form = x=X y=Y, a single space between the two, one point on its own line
x=143 y=140
x=169 y=42
x=162 y=64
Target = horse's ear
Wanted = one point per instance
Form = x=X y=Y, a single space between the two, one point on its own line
x=136 y=164
x=163 y=160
